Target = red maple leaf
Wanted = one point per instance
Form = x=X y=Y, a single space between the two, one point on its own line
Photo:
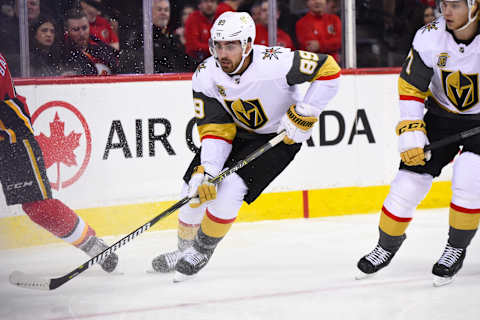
x=58 y=148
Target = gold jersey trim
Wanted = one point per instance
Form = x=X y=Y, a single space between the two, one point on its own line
x=225 y=131
x=407 y=89
x=329 y=68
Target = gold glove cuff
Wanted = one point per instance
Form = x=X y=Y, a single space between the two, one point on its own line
x=302 y=122
x=411 y=125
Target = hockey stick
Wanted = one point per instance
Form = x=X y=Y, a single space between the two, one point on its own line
x=23 y=280
x=452 y=139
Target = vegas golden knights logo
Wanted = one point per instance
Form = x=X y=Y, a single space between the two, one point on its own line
x=248 y=112
x=460 y=88
x=442 y=59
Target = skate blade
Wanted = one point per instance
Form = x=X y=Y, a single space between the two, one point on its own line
x=363 y=276
x=441 y=281
x=180 y=277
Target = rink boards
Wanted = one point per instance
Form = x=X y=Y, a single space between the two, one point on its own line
x=117 y=147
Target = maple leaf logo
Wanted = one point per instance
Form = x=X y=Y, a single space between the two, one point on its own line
x=58 y=148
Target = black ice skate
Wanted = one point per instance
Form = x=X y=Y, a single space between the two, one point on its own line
x=190 y=263
x=376 y=260
x=448 y=265
x=94 y=246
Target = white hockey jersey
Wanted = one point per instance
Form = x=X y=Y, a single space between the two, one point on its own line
x=446 y=71
x=257 y=99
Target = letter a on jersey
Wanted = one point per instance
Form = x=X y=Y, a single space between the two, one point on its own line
x=461 y=89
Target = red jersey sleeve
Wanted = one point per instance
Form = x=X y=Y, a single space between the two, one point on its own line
x=103 y=30
x=304 y=32
x=332 y=41
x=7 y=90
x=328 y=32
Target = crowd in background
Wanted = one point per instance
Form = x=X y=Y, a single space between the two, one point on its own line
x=99 y=37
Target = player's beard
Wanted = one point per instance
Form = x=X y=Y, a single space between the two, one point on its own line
x=227 y=65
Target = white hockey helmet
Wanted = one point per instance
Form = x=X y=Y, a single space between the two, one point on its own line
x=233 y=26
x=472 y=6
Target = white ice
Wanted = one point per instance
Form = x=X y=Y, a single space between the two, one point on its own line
x=288 y=269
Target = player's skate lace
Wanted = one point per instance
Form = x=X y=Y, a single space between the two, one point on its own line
x=448 y=265
x=166 y=262
x=195 y=257
x=450 y=256
x=378 y=256
x=192 y=261
x=94 y=246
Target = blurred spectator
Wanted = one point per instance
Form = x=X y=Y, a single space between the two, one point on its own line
x=318 y=31
x=168 y=52
x=45 y=55
x=283 y=39
x=6 y=9
x=428 y=15
x=99 y=26
x=197 y=29
x=10 y=34
x=161 y=14
x=111 y=11
x=180 y=31
x=33 y=10
x=228 y=5
x=84 y=53
x=255 y=11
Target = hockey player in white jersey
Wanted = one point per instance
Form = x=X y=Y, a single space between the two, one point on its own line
x=243 y=95
x=441 y=74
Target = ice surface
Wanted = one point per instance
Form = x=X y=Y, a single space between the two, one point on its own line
x=289 y=269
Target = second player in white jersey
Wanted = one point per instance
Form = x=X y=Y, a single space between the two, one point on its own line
x=440 y=73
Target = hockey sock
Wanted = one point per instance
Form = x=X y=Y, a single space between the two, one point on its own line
x=463 y=225
x=393 y=225
x=60 y=220
x=186 y=234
